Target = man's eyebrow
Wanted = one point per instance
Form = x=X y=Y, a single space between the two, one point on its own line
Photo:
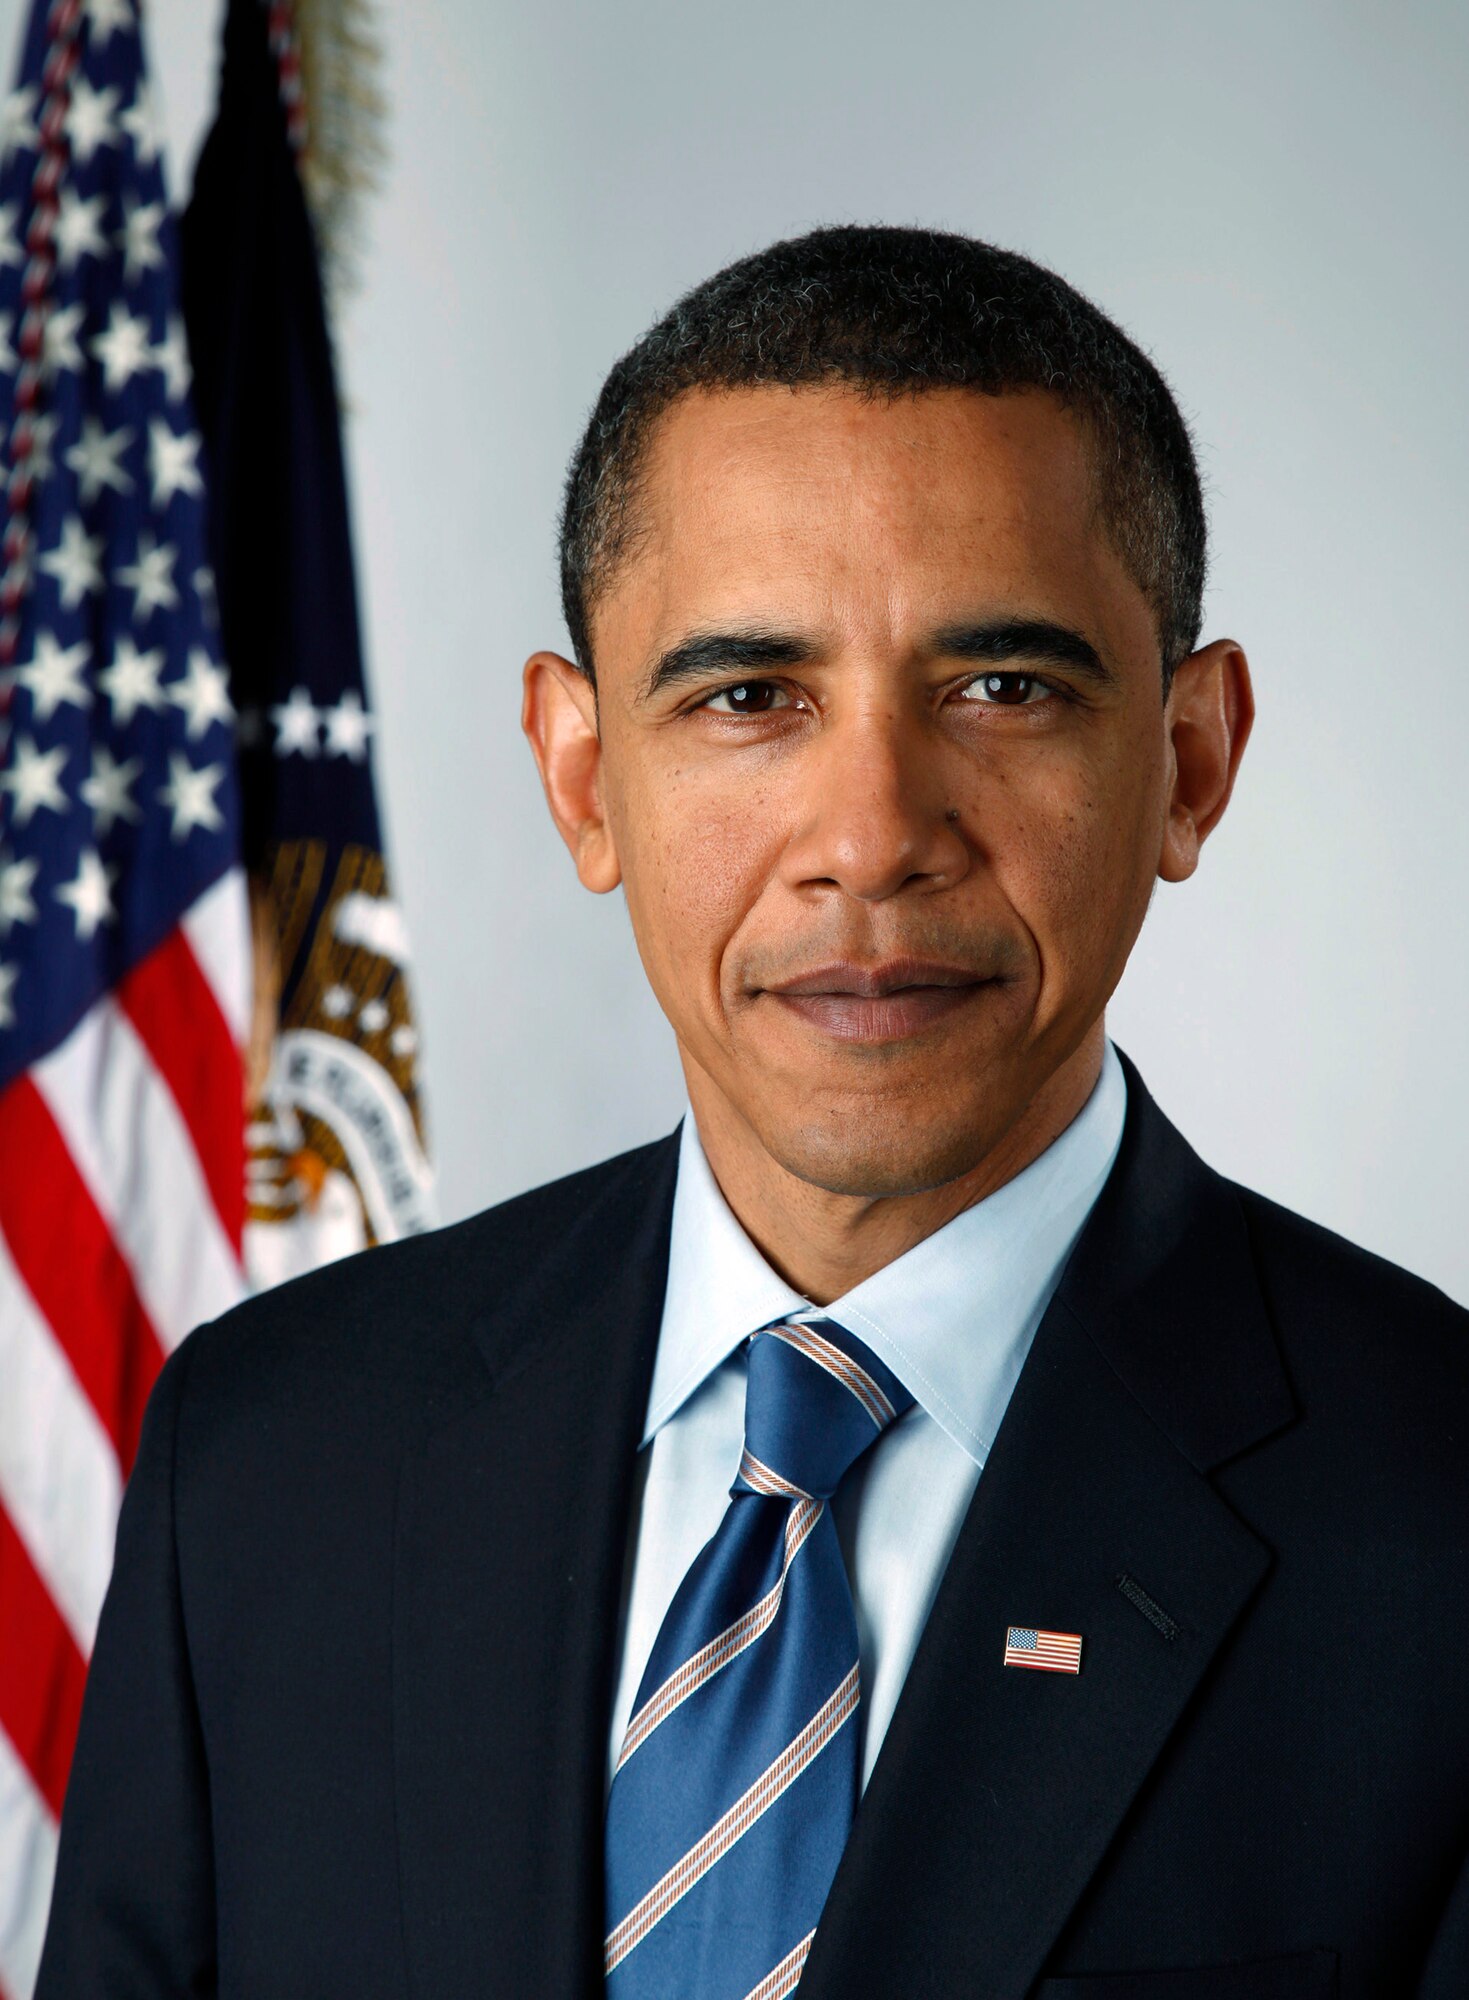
x=714 y=652
x=987 y=642
x=997 y=641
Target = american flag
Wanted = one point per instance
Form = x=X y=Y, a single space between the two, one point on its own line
x=124 y=951
x=1052 y=1652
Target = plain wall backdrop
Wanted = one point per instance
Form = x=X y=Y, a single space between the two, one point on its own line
x=1269 y=197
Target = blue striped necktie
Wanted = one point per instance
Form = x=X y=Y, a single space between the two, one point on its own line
x=737 y=1779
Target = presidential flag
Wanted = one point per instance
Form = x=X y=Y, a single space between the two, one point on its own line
x=123 y=927
x=337 y=1154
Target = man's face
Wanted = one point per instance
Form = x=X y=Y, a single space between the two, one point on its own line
x=884 y=766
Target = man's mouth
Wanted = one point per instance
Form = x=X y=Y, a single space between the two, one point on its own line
x=879 y=1002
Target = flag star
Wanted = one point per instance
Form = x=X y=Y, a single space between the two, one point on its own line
x=18 y=132
x=9 y=360
x=90 y=895
x=75 y=562
x=171 y=359
x=91 y=120
x=203 y=694
x=107 y=18
x=131 y=682
x=123 y=348
x=95 y=459
x=79 y=228
x=10 y=250
x=189 y=796
x=32 y=778
x=143 y=126
x=348 y=727
x=108 y=790
x=59 y=349
x=173 y=460
x=17 y=905
x=151 y=577
x=54 y=677
x=141 y=249
x=296 y=723
x=8 y=975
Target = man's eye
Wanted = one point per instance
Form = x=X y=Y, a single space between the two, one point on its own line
x=1005 y=690
x=747 y=698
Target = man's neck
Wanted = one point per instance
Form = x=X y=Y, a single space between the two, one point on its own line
x=824 y=1243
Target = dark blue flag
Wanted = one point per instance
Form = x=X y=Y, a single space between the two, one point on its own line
x=338 y=1155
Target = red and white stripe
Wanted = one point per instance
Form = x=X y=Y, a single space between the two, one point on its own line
x=826 y=1354
x=761 y=1478
x=122 y=1177
x=776 y=1779
x=786 y=1976
x=734 y=1640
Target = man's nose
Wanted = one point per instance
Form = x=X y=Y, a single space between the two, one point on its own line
x=874 y=817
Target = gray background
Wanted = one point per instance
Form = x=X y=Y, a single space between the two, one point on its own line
x=1270 y=197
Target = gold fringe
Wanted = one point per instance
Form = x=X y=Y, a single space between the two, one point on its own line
x=346 y=115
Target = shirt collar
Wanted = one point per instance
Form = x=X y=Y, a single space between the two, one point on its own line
x=953 y=1317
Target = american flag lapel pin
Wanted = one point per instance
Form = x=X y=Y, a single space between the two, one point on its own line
x=1052 y=1652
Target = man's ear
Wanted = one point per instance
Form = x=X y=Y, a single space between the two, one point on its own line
x=1210 y=711
x=559 y=716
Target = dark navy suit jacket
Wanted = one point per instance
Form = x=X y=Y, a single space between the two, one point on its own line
x=346 y=1724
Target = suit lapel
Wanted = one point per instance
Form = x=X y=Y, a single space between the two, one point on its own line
x=511 y=1531
x=998 y=1790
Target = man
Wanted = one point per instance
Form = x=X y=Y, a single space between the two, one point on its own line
x=918 y=1530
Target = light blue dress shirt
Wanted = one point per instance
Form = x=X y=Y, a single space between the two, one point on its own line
x=953 y=1318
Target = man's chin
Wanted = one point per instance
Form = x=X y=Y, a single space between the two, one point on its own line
x=906 y=1149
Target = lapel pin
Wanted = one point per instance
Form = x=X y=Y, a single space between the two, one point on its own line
x=1052 y=1652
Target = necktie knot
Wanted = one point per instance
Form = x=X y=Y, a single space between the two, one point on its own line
x=816 y=1399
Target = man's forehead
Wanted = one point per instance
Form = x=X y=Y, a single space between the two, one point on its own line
x=751 y=498
x=772 y=434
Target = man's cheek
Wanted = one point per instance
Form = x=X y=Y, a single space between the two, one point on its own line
x=714 y=861
x=683 y=898
x=1068 y=873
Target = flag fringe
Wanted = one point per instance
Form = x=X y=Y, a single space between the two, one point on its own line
x=344 y=151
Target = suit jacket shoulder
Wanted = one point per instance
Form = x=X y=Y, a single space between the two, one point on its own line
x=1313 y=1271
x=1379 y=1361
x=335 y=1481
x=393 y=1319
x=1361 y=1326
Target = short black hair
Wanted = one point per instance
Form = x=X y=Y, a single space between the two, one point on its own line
x=894 y=311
